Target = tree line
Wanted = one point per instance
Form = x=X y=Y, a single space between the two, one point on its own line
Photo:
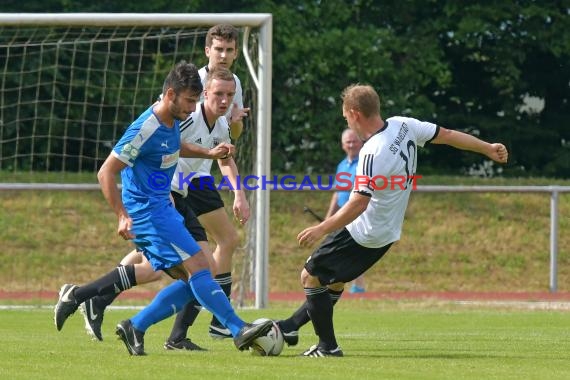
x=497 y=69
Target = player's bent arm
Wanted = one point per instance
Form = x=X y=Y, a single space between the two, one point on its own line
x=106 y=177
x=229 y=170
x=236 y=129
x=236 y=120
x=189 y=150
x=464 y=141
x=195 y=151
x=356 y=205
x=333 y=205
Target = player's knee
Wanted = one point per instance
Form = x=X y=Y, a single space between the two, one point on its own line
x=229 y=242
x=145 y=274
x=197 y=263
x=337 y=287
x=309 y=281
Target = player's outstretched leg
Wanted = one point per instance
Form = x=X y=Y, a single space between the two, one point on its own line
x=290 y=326
x=184 y=319
x=211 y=296
x=66 y=305
x=317 y=352
x=71 y=296
x=93 y=311
x=249 y=332
x=320 y=309
x=216 y=329
x=131 y=337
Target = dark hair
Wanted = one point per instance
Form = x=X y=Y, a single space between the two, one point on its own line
x=223 y=31
x=184 y=76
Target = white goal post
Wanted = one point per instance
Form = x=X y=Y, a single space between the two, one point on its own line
x=261 y=77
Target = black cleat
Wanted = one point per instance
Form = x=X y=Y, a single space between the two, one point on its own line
x=184 y=344
x=93 y=316
x=218 y=331
x=318 y=352
x=133 y=339
x=65 y=306
x=290 y=337
x=244 y=339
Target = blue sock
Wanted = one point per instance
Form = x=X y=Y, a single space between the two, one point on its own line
x=170 y=300
x=213 y=298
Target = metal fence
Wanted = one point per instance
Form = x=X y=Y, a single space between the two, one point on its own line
x=554 y=192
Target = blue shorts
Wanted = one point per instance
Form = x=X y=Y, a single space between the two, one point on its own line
x=162 y=237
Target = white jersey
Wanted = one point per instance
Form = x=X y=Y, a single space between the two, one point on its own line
x=195 y=130
x=389 y=158
x=238 y=97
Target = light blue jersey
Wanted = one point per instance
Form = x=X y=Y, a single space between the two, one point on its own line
x=151 y=151
x=347 y=169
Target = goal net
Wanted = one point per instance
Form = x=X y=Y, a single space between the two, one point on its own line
x=70 y=84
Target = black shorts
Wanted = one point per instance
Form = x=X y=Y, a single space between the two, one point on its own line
x=203 y=196
x=190 y=219
x=341 y=259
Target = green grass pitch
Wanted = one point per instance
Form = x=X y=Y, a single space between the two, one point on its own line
x=381 y=340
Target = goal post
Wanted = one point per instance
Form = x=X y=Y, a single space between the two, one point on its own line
x=33 y=106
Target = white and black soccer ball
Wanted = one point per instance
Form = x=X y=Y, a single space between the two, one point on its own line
x=270 y=344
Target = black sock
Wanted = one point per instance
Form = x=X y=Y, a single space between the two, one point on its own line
x=184 y=319
x=301 y=317
x=320 y=308
x=106 y=299
x=113 y=283
x=225 y=282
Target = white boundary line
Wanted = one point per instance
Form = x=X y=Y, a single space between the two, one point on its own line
x=525 y=305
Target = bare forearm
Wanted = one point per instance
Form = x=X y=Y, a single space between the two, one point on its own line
x=229 y=170
x=343 y=216
x=333 y=206
x=194 y=151
x=462 y=141
x=111 y=192
x=236 y=129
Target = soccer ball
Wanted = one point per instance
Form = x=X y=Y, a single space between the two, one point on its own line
x=270 y=344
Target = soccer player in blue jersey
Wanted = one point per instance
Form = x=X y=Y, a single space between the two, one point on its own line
x=146 y=156
x=221 y=49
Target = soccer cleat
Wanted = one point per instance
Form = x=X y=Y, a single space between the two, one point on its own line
x=217 y=331
x=133 y=339
x=244 y=339
x=290 y=337
x=184 y=344
x=318 y=352
x=65 y=306
x=93 y=316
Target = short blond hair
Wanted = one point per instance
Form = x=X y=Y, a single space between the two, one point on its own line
x=219 y=73
x=362 y=98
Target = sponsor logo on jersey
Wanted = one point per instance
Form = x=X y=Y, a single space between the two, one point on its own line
x=169 y=160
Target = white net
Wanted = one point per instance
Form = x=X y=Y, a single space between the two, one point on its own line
x=67 y=93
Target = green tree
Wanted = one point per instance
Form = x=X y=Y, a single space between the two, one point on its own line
x=468 y=65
